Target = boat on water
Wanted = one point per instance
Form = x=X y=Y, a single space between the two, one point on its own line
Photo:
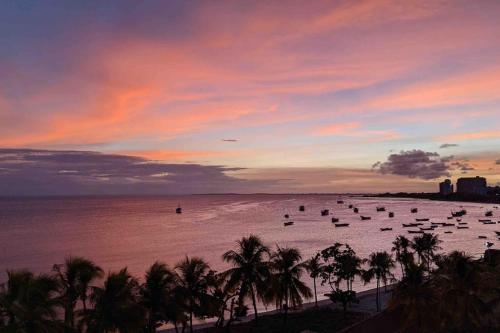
x=462 y=223
x=459 y=220
x=407 y=225
x=287 y=216
x=178 y=210
x=498 y=233
x=449 y=217
x=341 y=225
x=427 y=228
x=355 y=210
x=482 y=237
x=462 y=227
x=415 y=232
x=335 y=219
x=385 y=229
x=302 y=208
x=340 y=202
x=490 y=222
x=391 y=214
x=380 y=209
x=350 y=206
x=365 y=217
x=484 y=220
x=417 y=224
x=448 y=224
x=459 y=213
x=286 y=224
x=325 y=212
x=414 y=210
x=422 y=220
x=448 y=232
x=489 y=213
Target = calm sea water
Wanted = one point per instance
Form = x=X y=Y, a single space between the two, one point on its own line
x=136 y=231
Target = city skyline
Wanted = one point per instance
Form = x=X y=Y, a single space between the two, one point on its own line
x=204 y=97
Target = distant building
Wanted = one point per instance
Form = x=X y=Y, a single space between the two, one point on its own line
x=446 y=187
x=472 y=186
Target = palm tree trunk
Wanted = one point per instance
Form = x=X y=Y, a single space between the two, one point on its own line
x=377 y=295
x=315 y=294
x=254 y=301
x=191 y=321
x=176 y=328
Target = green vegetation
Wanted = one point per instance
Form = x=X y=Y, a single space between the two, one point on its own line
x=437 y=293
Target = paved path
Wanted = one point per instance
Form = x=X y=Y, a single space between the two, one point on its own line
x=366 y=304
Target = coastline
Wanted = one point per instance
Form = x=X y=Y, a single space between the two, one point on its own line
x=437 y=197
x=366 y=305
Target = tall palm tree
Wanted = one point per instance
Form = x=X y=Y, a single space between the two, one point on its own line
x=287 y=288
x=250 y=269
x=29 y=303
x=192 y=286
x=401 y=246
x=380 y=265
x=156 y=295
x=425 y=246
x=415 y=301
x=73 y=277
x=314 y=267
x=116 y=305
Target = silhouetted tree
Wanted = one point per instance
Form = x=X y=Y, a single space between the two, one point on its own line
x=380 y=265
x=314 y=267
x=250 y=270
x=28 y=303
x=115 y=305
x=74 y=277
x=157 y=295
x=287 y=288
x=192 y=287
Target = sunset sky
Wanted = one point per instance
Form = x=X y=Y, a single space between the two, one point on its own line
x=127 y=97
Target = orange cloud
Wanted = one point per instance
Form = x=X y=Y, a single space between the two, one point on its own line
x=473 y=136
x=337 y=129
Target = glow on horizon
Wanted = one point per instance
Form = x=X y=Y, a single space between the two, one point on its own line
x=303 y=88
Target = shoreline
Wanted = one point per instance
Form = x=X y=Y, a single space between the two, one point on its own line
x=436 y=197
x=366 y=305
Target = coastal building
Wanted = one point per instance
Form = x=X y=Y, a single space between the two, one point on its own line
x=472 y=186
x=446 y=187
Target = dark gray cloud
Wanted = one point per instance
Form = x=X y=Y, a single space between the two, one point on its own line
x=44 y=172
x=415 y=164
x=448 y=145
x=462 y=166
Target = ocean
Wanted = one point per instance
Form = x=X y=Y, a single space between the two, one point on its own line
x=134 y=232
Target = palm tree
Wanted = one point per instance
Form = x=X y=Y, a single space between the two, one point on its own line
x=465 y=289
x=29 y=303
x=380 y=265
x=73 y=277
x=401 y=246
x=115 y=305
x=314 y=267
x=192 y=286
x=89 y=272
x=250 y=269
x=425 y=246
x=156 y=294
x=415 y=301
x=287 y=288
x=348 y=265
